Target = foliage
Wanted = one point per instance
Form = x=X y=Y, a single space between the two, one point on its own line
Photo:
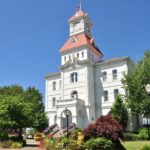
x=119 y=111
x=16 y=145
x=14 y=112
x=143 y=134
x=99 y=144
x=6 y=144
x=134 y=84
x=52 y=144
x=105 y=126
x=3 y=136
x=145 y=147
x=80 y=138
x=131 y=137
x=39 y=119
x=21 y=108
x=38 y=136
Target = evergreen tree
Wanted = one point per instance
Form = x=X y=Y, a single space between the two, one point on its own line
x=119 y=111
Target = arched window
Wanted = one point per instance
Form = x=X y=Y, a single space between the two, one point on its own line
x=114 y=73
x=74 y=94
x=54 y=85
x=104 y=76
x=53 y=102
x=73 y=77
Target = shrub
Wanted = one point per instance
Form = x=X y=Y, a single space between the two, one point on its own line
x=145 y=147
x=3 y=136
x=143 y=134
x=6 y=144
x=90 y=131
x=99 y=144
x=105 y=126
x=38 y=136
x=16 y=145
x=131 y=137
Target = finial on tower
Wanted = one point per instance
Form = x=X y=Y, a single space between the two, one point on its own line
x=79 y=7
x=80 y=4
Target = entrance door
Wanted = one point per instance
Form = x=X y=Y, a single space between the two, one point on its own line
x=64 y=118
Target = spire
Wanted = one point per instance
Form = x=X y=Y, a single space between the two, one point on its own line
x=79 y=6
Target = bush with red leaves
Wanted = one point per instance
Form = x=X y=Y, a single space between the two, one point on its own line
x=105 y=126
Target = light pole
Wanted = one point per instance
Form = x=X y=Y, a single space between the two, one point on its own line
x=67 y=118
x=148 y=92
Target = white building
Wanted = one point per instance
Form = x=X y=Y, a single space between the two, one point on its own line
x=86 y=84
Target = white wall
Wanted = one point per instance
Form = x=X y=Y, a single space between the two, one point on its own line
x=103 y=107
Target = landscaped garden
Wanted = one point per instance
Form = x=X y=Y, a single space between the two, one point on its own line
x=105 y=134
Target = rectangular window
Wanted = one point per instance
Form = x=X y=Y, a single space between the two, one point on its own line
x=105 y=96
x=114 y=73
x=104 y=76
x=54 y=102
x=74 y=77
x=54 y=85
x=116 y=92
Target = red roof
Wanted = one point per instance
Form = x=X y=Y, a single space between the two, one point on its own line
x=78 y=14
x=80 y=40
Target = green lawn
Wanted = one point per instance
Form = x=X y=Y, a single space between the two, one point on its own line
x=135 y=145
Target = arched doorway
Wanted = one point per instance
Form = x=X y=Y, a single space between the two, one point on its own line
x=74 y=94
x=64 y=115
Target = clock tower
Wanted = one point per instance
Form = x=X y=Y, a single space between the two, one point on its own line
x=80 y=23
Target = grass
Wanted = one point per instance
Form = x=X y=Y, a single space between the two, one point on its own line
x=135 y=145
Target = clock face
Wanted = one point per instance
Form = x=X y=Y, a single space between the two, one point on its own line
x=76 y=25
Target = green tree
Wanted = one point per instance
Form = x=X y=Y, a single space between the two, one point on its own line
x=134 y=84
x=14 y=113
x=21 y=108
x=119 y=111
x=34 y=97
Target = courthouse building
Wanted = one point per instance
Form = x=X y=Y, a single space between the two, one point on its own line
x=86 y=84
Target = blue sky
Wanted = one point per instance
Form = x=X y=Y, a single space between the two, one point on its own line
x=33 y=31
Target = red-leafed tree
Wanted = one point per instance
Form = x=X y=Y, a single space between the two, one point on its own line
x=105 y=126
